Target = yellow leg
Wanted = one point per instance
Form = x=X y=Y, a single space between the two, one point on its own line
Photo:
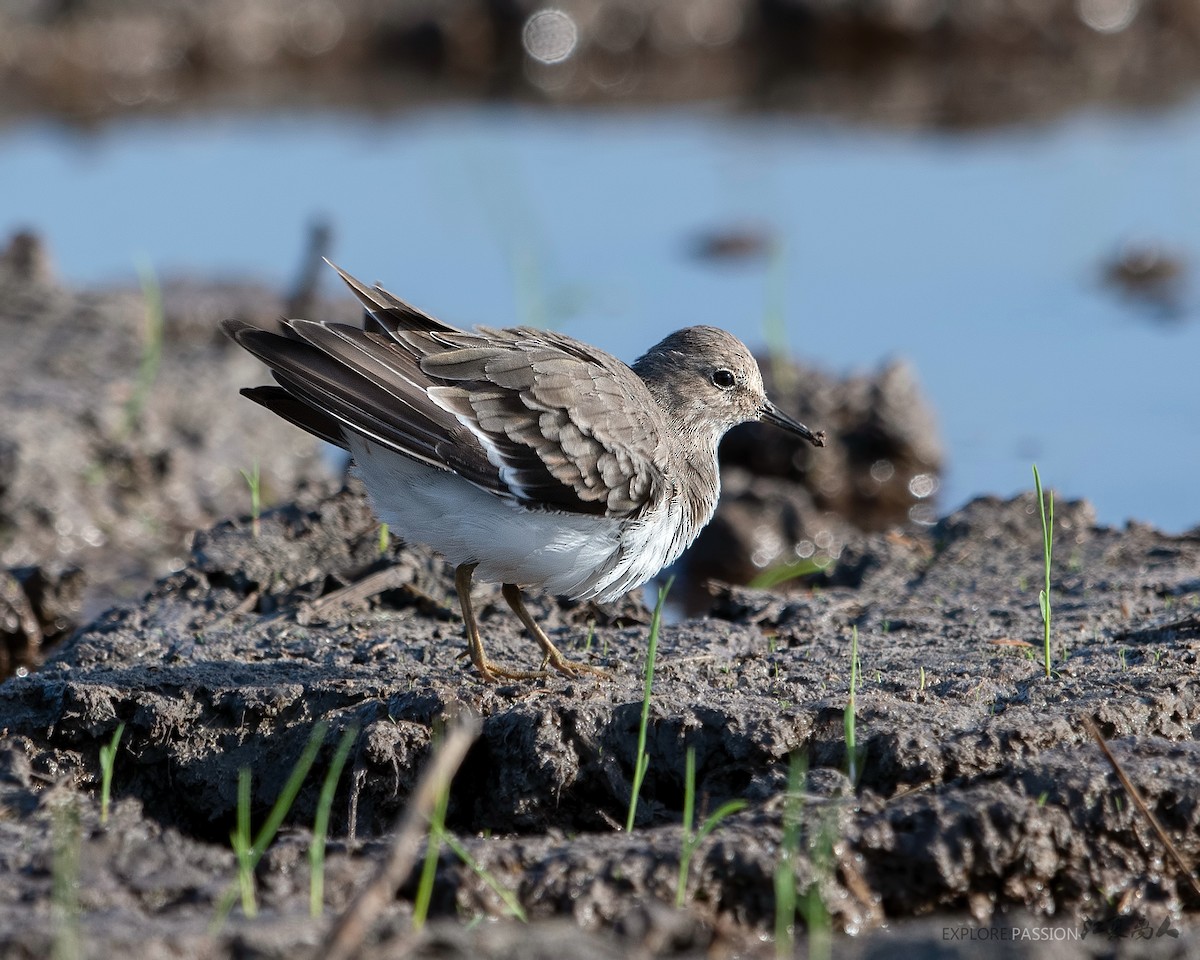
x=488 y=671
x=512 y=593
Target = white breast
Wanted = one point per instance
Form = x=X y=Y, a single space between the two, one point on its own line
x=648 y=545
x=571 y=555
x=561 y=553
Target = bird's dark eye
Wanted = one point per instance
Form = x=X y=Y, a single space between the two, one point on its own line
x=724 y=379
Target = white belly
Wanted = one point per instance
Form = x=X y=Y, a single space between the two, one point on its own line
x=568 y=555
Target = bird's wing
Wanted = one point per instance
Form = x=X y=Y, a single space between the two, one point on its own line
x=344 y=374
x=535 y=417
x=565 y=424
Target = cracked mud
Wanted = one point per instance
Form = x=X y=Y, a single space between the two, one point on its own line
x=980 y=798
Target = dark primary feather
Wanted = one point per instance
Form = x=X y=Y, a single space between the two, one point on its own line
x=385 y=312
x=529 y=415
x=303 y=415
x=356 y=400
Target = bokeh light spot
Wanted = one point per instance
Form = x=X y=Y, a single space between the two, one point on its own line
x=923 y=485
x=1107 y=16
x=550 y=36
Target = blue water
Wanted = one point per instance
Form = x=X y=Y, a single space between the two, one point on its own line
x=975 y=256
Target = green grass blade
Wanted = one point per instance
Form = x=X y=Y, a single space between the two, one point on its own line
x=792 y=570
x=108 y=759
x=692 y=841
x=65 y=910
x=249 y=853
x=437 y=827
x=689 y=814
x=850 y=718
x=1047 y=555
x=786 y=899
x=641 y=761
x=689 y=791
x=511 y=903
x=316 y=852
x=253 y=480
x=287 y=796
x=242 y=846
x=152 y=346
x=713 y=820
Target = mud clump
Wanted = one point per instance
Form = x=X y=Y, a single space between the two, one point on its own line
x=121 y=434
x=38 y=606
x=980 y=801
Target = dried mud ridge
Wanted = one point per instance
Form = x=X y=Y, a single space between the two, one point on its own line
x=981 y=799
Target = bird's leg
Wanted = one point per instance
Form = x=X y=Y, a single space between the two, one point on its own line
x=488 y=671
x=512 y=593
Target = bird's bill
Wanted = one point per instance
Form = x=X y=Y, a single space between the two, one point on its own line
x=772 y=414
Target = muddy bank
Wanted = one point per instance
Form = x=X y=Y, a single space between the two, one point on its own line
x=978 y=800
x=898 y=62
x=125 y=432
x=122 y=433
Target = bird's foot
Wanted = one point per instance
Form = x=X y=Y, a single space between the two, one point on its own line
x=491 y=672
x=572 y=668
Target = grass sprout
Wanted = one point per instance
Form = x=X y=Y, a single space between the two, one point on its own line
x=792 y=570
x=108 y=757
x=438 y=835
x=243 y=845
x=1047 y=553
x=691 y=841
x=850 y=719
x=812 y=905
x=437 y=828
x=786 y=895
x=385 y=538
x=316 y=851
x=344 y=939
x=152 y=344
x=641 y=760
x=249 y=853
x=64 y=891
x=253 y=480
x=511 y=903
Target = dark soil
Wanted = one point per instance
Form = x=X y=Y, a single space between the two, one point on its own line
x=981 y=805
x=102 y=481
